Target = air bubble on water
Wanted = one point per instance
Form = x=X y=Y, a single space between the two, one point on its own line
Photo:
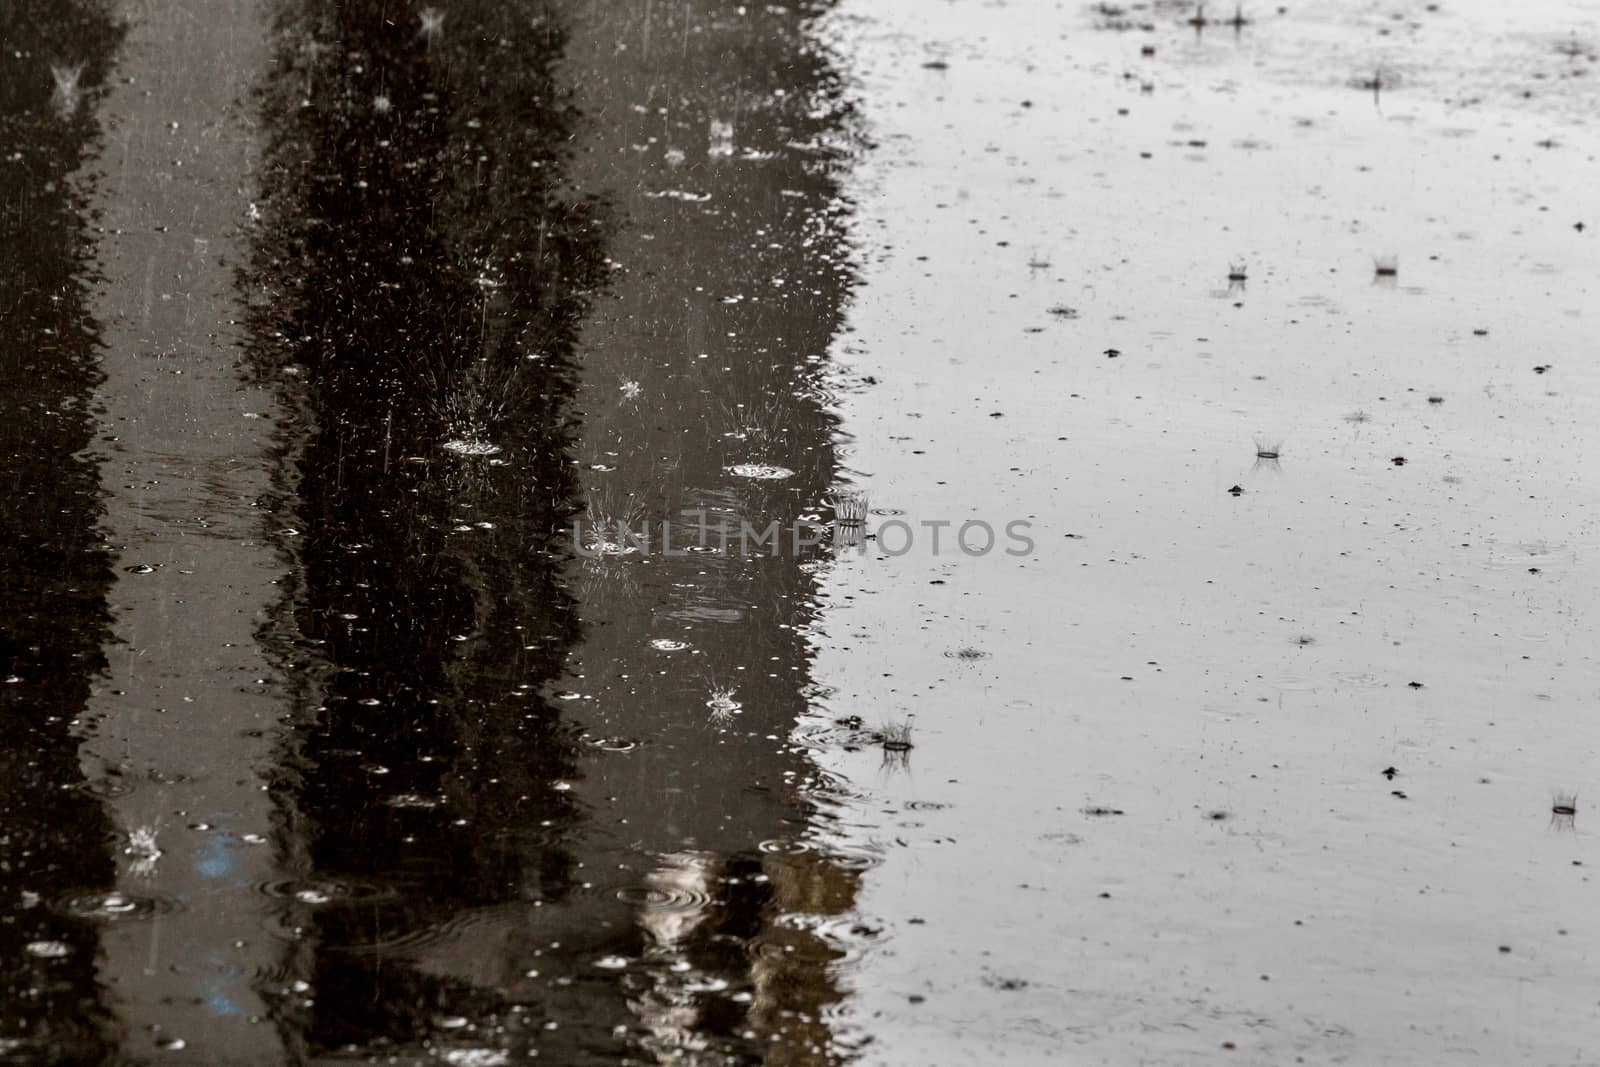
x=324 y=892
x=595 y=543
x=612 y=744
x=761 y=471
x=706 y=985
x=413 y=800
x=49 y=950
x=667 y=644
x=476 y=1057
x=467 y=446
x=114 y=906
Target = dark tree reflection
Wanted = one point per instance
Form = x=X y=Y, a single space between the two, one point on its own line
x=418 y=278
x=54 y=571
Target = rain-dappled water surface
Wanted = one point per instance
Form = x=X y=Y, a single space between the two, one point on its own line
x=842 y=532
x=1290 y=376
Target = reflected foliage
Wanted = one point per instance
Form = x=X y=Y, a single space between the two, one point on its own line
x=54 y=570
x=417 y=279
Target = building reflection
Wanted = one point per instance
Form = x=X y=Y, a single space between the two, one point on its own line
x=54 y=569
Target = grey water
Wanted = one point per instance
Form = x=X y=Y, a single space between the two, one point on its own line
x=858 y=531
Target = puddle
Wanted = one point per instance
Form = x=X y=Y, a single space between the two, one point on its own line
x=382 y=386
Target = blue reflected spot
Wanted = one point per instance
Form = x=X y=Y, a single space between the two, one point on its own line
x=216 y=858
x=221 y=1005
